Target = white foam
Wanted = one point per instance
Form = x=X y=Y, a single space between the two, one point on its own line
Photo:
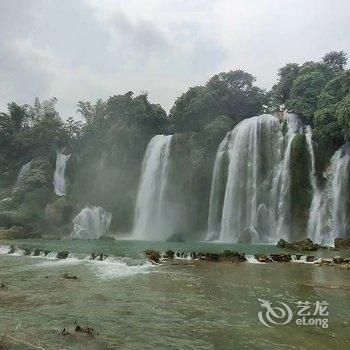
x=41 y=255
x=251 y=259
x=182 y=256
x=52 y=255
x=57 y=263
x=18 y=252
x=118 y=268
x=303 y=260
x=4 y=249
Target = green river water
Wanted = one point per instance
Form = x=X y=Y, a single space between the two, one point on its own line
x=132 y=304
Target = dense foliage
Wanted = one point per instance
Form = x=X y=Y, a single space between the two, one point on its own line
x=108 y=145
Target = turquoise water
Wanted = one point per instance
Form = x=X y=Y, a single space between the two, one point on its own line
x=135 y=305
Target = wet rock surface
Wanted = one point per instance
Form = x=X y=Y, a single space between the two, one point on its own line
x=302 y=245
x=342 y=243
x=62 y=255
x=153 y=255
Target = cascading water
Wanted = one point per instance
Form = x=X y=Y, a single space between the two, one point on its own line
x=329 y=210
x=217 y=187
x=91 y=223
x=59 y=180
x=150 y=221
x=255 y=200
x=23 y=171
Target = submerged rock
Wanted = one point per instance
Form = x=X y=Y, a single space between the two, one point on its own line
x=69 y=277
x=302 y=245
x=342 y=243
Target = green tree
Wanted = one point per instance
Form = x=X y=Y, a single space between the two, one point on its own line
x=306 y=87
x=335 y=61
x=282 y=89
x=232 y=94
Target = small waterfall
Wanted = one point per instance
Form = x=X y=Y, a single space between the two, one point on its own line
x=91 y=223
x=328 y=215
x=59 y=180
x=23 y=171
x=150 y=221
x=255 y=200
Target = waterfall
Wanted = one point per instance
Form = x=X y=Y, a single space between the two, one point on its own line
x=59 y=180
x=91 y=223
x=151 y=221
x=215 y=203
x=328 y=215
x=255 y=199
x=23 y=171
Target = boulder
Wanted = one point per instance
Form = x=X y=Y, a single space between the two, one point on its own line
x=231 y=256
x=262 y=258
x=62 y=255
x=36 y=252
x=310 y=258
x=338 y=260
x=302 y=245
x=342 y=243
x=169 y=254
x=12 y=249
x=212 y=256
x=281 y=257
x=153 y=255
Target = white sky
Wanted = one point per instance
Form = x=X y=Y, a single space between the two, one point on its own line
x=88 y=49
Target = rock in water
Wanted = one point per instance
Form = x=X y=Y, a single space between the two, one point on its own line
x=303 y=245
x=342 y=243
x=91 y=223
x=153 y=255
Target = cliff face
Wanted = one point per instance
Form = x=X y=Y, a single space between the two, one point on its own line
x=189 y=185
x=300 y=187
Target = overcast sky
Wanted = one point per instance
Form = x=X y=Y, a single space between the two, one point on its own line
x=88 y=49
